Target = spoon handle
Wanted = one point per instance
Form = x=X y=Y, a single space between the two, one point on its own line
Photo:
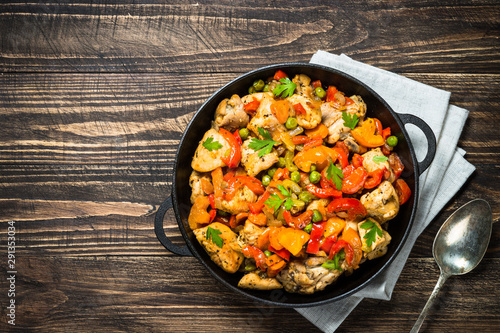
x=423 y=314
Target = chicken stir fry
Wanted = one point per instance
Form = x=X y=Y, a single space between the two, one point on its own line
x=294 y=185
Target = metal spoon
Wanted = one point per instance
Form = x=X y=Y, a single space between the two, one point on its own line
x=460 y=245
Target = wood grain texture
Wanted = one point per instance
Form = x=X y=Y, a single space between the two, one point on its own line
x=95 y=96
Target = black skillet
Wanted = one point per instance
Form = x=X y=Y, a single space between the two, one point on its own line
x=398 y=227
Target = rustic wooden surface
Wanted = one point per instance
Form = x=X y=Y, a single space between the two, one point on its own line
x=94 y=97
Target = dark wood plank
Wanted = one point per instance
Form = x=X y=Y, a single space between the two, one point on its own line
x=215 y=36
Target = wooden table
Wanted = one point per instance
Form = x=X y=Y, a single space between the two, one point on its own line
x=95 y=97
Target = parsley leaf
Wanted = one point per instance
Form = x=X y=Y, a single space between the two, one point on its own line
x=263 y=146
x=210 y=144
x=213 y=235
x=371 y=235
x=349 y=120
x=377 y=159
x=286 y=89
x=334 y=263
x=335 y=175
x=275 y=201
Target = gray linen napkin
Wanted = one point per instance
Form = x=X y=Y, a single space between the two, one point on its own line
x=445 y=176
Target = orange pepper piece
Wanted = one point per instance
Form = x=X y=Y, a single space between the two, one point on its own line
x=365 y=134
x=280 y=110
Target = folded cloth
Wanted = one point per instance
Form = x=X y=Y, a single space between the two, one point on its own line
x=438 y=184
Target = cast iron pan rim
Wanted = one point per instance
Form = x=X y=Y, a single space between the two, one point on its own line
x=193 y=250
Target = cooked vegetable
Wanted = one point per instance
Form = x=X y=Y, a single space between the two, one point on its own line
x=270 y=178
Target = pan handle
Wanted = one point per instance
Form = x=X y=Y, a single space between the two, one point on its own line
x=429 y=134
x=160 y=232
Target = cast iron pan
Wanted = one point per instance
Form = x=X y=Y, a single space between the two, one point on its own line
x=398 y=227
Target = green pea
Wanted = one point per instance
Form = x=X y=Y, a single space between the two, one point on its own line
x=308 y=228
x=266 y=180
x=244 y=133
x=314 y=177
x=317 y=217
x=251 y=90
x=266 y=88
x=250 y=267
x=392 y=141
x=295 y=176
x=268 y=253
x=306 y=196
x=313 y=168
x=259 y=85
x=291 y=123
x=271 y=172
x=320 y=92
x=281 y=162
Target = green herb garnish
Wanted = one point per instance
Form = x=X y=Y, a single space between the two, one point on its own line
x=377 y=159
x=334 y=263
x=349 y=120
x=286 y=89
x=371 y=235
x=210 y=144
x=275 y=202
x=213 y=235
x=263 y=146
x=335 y=175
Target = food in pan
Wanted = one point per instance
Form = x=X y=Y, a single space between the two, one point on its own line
x=293 y=185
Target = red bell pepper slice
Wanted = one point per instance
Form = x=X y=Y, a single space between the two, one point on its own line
x=313 y=143
x=314 y=241
x=343 y=146
x=212 y=214
x=327 y=243
x=298 y=222
x=349 y=252
x=237 y=136
x=283 y=253
x=357 y=160
x=299 y=109
x=355 y=181
x=378 y=126
x=348 y=101
x=300 y=139
x=330 y=93
x=256 y=207
x=235 y=183
x=403 y=190
x=342 y=157
x=254 y=252
x=317 y=84
x=351 y=206
x=280 y=75
x=324 y=192
x=386 y=132
x=374 y=178
x=396 y=165
x=234 y=157
x=348 y=170
x=251 y=107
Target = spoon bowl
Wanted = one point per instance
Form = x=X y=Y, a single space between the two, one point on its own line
x=460 y=245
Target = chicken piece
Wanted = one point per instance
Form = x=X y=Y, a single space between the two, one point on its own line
x=225 y=257
x=265 y=118
x=370 y=165
x=303 y=83
x=258 y=96
x=199 y=183
x=381 y=249
x=205 y=160
x=259 y=281
x=249 y=234
x=332 y=118
x=230 y=114
x=239 y=203
x=372 y=232
x=253 y=163
x=382 y=203
x=312 y=117
x=307 y=276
